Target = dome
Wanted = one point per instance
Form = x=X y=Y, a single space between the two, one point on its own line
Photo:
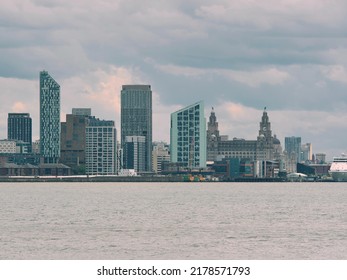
x=276 y=141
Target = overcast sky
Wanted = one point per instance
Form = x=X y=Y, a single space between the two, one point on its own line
x=237 y=56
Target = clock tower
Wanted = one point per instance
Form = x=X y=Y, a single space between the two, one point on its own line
x=213 y=137
x=265 y=139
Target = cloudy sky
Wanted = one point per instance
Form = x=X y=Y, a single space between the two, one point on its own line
x=237 y=56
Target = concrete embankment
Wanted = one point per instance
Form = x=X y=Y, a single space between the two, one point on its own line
x=94 y=179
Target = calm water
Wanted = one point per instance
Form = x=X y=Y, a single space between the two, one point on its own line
x=173 y=221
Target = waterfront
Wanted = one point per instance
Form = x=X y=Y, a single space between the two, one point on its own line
x=173 y=220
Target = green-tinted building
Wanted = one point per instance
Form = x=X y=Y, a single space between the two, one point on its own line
x=136 y=117
x=188 y=136
x=49 y=118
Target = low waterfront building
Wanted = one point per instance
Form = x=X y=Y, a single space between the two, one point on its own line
x=265 y=147
x=160 y=154
x=8 y=146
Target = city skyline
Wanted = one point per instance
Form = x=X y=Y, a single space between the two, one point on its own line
x=237 y=57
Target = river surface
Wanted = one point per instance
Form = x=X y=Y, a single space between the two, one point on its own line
x=173 y=221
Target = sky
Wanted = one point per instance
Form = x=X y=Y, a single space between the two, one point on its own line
x=289 y=56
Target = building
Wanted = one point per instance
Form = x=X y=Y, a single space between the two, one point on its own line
x=265 y=141
x=136 y=117
x=82 y=111
x=36 y=147
x=135 y=153
x=263 y=148
x=160 y=155
x=100 y=147
x=320 y=158
x=73 y=139
x=306 y=152
x=188 y=136
x=19 y=127
x=293 y=147
x=213 y=137
x=49 y=118
x=8 y=147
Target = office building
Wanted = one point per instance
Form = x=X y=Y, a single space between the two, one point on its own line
x=160 y=156
x=82 y=111
x=136 y=117
x=100 y=147
x=306 y=152
x=293 y=147
x=135 y=153
x=188 y=136
x=19 y=127
x=73 y=139
x=49 y=118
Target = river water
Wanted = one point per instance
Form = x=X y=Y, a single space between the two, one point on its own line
x=173 y=221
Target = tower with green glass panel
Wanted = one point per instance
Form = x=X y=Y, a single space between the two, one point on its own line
x=136 y=118
x=49 y=118
x=188 y=136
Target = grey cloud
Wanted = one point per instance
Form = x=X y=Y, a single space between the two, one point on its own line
x=287 y=55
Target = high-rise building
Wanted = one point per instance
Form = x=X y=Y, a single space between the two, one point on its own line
x=292 y=146
x=19 y=128
x=73 y=139
x=188 y=136
x=306 y=152
x=136 y=117
x=100 y=147
x=49 y=118
x=135 y=153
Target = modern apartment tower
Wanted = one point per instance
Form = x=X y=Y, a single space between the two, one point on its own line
x=136 y=117
x=49 y=118
x=19 y=128
x=188 y=136
x=101 y=147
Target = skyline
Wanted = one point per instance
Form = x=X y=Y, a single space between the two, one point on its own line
x=237 y=57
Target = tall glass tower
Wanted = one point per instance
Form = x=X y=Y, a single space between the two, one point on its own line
x=19 y=127
x=136 y=117
x=293 y=147
x=49 y=118
x=188 y=136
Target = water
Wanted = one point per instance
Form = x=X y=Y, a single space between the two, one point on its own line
x=173 y=221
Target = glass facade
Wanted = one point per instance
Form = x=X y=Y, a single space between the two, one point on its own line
x=19 y=127
x=136 y=117
x=49 y=118
x=188 y=136
x=134 y=153
x=293 y=147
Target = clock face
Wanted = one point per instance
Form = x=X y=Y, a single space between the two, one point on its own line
x=264 y=128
